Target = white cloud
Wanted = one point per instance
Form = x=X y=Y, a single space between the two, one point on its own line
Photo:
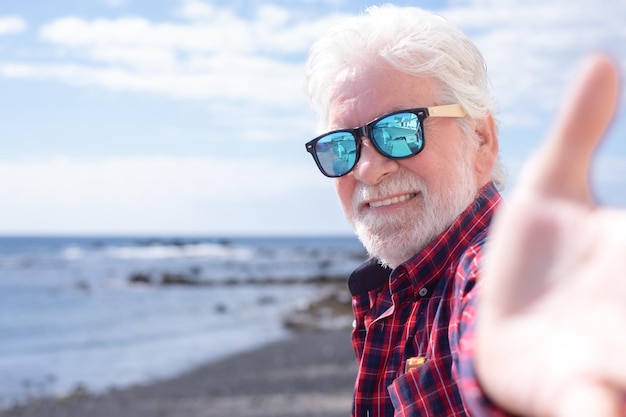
x=274 y=30
x=533 y=47
x=225 y=33
x=250 y=80
x=194 y=9
x=216 y=56
x=273 y=16
x=140 y=193
x=250 y=122
x=147 y=58
x=12 y=25
x=113 y=180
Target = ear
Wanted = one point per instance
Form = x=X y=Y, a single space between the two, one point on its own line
x=487 y=152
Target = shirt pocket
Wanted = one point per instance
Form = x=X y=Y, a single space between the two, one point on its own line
x=427 y=390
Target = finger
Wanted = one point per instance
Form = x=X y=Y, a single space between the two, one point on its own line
x=562 y=166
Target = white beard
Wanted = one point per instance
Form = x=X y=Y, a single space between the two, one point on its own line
x=394 y=239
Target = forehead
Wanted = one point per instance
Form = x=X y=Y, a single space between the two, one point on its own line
x=361 y=95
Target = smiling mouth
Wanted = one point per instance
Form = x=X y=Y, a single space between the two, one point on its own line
x=393 y=200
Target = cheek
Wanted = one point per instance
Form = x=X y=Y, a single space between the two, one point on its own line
x=345 y=187
x=436 y=164
x=425 y=166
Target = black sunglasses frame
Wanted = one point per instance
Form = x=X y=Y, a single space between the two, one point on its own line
x=447 y=110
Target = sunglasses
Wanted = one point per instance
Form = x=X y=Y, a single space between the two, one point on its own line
x=396 y=135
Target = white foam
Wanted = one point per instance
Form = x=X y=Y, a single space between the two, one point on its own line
x=203 y=250
x=73 y=253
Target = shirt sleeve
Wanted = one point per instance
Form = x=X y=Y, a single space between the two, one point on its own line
x=462 y=331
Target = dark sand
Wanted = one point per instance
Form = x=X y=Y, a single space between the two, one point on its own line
x=311 y=374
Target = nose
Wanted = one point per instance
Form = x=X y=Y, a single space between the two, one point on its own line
x=372 y=166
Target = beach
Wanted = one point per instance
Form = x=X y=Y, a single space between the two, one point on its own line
x=308 y=374
x=171 y=327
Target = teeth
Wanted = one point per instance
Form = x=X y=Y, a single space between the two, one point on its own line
x=391 y=201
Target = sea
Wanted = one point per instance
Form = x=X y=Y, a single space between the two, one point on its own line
x=98 y=313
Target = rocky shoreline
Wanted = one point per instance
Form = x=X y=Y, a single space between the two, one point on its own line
x=192 y=278
x=330 y=310
x=325 y=321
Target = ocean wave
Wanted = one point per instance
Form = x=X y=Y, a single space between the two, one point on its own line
x=201 y=250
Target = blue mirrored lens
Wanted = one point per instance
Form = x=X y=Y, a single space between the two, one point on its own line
x=399 y=135
x=336 y=153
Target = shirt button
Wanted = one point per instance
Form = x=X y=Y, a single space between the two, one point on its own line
x=423 y=291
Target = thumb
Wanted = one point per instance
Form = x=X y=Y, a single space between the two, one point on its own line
x=562 y=166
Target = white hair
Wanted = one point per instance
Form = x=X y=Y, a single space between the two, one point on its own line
x=413 y=41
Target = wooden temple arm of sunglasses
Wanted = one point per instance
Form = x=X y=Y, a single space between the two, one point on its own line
x=447 y=110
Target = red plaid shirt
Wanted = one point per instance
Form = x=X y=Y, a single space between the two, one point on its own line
x=422 y=309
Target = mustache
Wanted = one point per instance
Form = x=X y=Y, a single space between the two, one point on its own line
x=401 y=183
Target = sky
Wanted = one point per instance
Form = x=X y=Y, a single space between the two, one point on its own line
x=176 y=117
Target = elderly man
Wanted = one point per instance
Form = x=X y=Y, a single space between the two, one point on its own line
x=410 y=139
